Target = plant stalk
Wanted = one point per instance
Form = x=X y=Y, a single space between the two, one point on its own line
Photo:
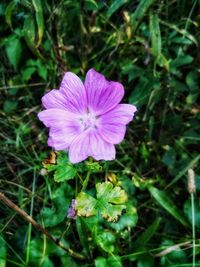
x=21 y=212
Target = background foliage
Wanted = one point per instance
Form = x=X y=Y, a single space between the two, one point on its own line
x=152 y=47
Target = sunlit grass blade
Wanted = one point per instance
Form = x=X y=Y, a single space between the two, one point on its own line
x=115 y=6
x=40 y=20
x=155 y=35
x=140 y=12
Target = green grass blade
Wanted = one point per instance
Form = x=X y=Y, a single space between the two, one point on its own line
x=155 y=35
x=140 y=12
x=39 y=19
x=115 y=6
x=147 y=235
x=181 y=173
x=8 y=13
x=164 y=201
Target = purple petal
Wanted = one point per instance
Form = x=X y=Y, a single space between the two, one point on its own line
x=113 y=133
x=54 y=99
x=64 y=127
x=57 y=117
x=74 y=91
x=90 y=143
x=112 y=124
x=58 y=144
x=102 y=95
x=71 y=213
x=100 y=149
x=60 y=139
x=122 y=114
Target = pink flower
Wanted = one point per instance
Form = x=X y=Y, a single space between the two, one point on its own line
x=86 y=119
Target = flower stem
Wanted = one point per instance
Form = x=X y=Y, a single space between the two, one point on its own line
x=85 y=183
x=193 y=230
x=87 y=178
x=191 y=190
x=39 y=227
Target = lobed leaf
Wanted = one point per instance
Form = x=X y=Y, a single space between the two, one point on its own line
x=86 y=205
x=105 y=203
x=113 y=195
x=64 y=170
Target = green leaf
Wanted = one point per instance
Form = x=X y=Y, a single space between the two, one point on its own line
x=14 y=50
x=169 y=157
x=101 y=262
x=129 y=219
x=37 y=252
x=41 y=69
x=163 y=61
x=39 y=19
x=106 y=197
x=37 y=64
x=192 y=81
x=86 y=205
x=163 y=200
x=113 y=261
x=106 y=240
x=114 y=195
x=133 y=71
x=141 y=93
x=155 y=35
x=8 y=12
x=147 y=235
x=27 y=73
x=145 y=261
x=91 y=5
x=3 y=252
x=110 y=212
x=64 y=170
x=140 y=12
x=60 y=201
x=68 y=261
x=29 y=32
x=9 y=106
x=115 y=6
x=46 y=262
x=179 y=61
x=82 y=227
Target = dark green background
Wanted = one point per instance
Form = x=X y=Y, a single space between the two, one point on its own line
x=152 y=47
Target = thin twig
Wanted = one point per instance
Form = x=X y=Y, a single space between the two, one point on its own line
x=21 y=86
x=172 y=248
x=21 y=212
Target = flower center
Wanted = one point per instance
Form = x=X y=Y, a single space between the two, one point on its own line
x=88 y=121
